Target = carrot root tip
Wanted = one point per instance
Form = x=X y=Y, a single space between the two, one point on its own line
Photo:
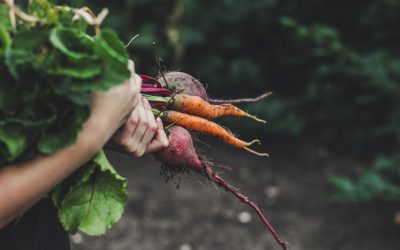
x=256 y=153
x=254 y=142
x=256 y=118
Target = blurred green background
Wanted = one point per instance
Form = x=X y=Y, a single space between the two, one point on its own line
x=333 y=66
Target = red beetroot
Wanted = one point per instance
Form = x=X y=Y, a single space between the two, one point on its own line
x=183 y=83
x=181 y=153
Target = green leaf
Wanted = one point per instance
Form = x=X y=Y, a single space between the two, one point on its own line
x=79 y=71
x=28 y=52
x=32 y=117
x=75 y=44
x=44 y=10
x=344 y=185
x=6 y=89
x=114 y=60
x=18 y=61
x=95 y=202
x=4 y=16
x=65 y=131
x=111 y=45
x=33 y=41
x=13 y=140
x=81 y=176
x=79 y=60
x=5 y=39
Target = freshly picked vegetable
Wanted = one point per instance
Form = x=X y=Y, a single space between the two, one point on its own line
x=191 y=111
x=51 y=59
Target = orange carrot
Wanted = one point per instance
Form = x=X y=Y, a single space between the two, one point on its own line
x=204 y=126
x=195 y=105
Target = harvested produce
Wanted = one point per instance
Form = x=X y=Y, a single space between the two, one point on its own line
x=181 y=153
x=185 y=111
x=49 y=57
x=194 y=105
x=204 y=126
x=186 y=84
x=183 y=83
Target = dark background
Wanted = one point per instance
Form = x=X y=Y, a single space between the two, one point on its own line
x=334 y=68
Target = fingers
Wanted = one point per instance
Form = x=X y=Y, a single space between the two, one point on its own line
x=161 y=135
x=124 y=134
x=141 y=133
x=150 y=128
x=160 y=140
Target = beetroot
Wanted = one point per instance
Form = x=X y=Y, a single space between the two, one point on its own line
x=181 y=153
x=183 y=83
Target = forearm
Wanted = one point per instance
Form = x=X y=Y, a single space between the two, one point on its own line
x=23 y=184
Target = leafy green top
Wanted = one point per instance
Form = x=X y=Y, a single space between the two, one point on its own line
x=48 y=70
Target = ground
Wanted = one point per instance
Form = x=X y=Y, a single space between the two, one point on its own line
x=290 y=187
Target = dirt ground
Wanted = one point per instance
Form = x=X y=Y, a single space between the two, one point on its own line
x=290 y=187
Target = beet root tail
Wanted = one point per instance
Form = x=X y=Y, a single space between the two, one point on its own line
x=240 y=100
x=221 y=182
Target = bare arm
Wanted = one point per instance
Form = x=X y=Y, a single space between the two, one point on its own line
x=23 y=184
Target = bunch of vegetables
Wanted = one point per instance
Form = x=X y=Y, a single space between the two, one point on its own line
x=50 y=63
x=182 y=103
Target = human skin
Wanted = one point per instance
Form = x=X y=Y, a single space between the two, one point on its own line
x=120 y=108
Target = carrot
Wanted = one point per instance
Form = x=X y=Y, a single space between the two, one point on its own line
x=204 y=126
x=194 y=105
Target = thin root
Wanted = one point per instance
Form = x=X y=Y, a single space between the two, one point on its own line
x=159 y=64
x=256 y=153
x=241 y=100
x=131 y=40
x=254 y=142
x=245 y=200
x=256 y=118
x=202 y=142
x=172 y=124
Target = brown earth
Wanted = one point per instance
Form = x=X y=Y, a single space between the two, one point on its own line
x=290 y=187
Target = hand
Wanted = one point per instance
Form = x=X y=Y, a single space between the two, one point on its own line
x=110 y=109
x=142 y=133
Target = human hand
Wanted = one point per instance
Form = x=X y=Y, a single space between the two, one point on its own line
x=110 y=109
x=142 y=133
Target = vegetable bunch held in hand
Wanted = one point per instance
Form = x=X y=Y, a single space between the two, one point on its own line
x=181 y=102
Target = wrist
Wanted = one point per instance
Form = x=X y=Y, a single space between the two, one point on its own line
x=96 y=132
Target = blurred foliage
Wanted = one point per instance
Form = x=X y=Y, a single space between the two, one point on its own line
x=381 y=181
x=334 y=66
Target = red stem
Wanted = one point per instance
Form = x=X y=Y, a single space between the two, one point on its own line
x=244 y=199
x=157 y=105
x=240 y=100
x=146 y=85
x=155 y=91
x=146 y=78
